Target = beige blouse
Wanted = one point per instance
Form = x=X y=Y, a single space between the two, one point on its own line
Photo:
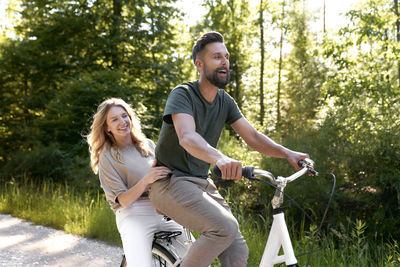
x=116 y=177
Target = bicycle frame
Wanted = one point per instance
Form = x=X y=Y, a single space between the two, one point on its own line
x=187 y=244
x=279 y=235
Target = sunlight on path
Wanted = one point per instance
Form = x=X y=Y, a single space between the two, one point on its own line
x=25 y=244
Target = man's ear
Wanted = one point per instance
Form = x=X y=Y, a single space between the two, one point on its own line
x=199 y=64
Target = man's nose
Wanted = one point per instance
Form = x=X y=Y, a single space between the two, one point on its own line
x=225 y=61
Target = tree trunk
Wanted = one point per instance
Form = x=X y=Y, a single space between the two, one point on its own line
x=237 y=90
x=324 y=17
x=396 y=11
x=278 y=97
x=117 y=9
x=262 y=64
x=237 y=87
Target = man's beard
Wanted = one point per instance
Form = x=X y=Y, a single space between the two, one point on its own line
x=214 y=80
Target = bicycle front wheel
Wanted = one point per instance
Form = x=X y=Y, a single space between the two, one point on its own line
x=161 y=257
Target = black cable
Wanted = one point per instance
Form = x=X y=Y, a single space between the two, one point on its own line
x=323 y=218
x=286 y=195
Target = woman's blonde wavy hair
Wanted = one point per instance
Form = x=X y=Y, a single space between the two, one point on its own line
x=99 y=139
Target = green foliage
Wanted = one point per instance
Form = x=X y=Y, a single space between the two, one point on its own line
x=39 y=162
x=304 y=74
x=224 y=16
x=361 y=118
x=246 y=193
x=340 y=98
x=68 y=114
x=67 y=58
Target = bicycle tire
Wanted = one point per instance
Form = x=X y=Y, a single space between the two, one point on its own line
x=161 y=257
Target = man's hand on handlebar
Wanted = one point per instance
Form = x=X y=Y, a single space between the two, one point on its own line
x=309 y=164
x=230 y=169
x=294 y=157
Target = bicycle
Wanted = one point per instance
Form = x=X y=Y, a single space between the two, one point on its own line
x=167 y=250
x=279 y=235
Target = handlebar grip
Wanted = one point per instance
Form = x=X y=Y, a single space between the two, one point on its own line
x=247 y=171
x=309 y=164
x=217 y=171
x=301 y=163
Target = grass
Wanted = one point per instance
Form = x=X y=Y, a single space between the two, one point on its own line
x=60 y=207
x=89 y=215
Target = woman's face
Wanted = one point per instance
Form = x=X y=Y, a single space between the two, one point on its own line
x=118 y=122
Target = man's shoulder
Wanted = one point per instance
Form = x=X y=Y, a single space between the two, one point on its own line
x=222 y=92
x=187 y=90
x=187 y=86
x=225 y=97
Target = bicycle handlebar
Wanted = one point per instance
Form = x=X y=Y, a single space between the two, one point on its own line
x=249 y=172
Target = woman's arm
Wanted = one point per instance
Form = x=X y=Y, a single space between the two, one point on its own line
x=132 y=194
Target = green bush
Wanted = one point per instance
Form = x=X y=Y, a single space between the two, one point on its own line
x=41 y=161
x=51 y=163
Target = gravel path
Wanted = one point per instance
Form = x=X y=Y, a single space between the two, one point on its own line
x=25 y=244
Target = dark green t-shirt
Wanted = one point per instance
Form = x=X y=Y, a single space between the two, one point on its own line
x=209 y=118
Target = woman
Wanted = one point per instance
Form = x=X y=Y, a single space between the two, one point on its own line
x=124 y=159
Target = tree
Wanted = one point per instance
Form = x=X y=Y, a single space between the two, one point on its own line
x=361 y=129
x=304 y=73
x=278 y=92
x=231 y=18
x=396 y=12
x=69 y=56
x=262 y=52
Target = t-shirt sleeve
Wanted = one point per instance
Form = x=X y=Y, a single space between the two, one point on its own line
x=179 y=101
x=234 y=112
x=111 y=181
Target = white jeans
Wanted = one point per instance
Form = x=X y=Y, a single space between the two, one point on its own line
x=137 y=225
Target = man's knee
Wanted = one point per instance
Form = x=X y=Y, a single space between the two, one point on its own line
x=225 y=231
x=231 y=228
x=236 y=255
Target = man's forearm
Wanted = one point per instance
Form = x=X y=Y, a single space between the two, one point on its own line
x=268 y=147
x=196 y=146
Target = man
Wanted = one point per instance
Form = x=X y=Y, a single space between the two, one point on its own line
x=194 y=117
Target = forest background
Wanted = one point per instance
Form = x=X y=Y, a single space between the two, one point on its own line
x=334 y=94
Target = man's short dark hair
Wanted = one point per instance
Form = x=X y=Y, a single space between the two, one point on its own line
x=205 y=39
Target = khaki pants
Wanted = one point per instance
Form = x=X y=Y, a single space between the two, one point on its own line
x=196 y=204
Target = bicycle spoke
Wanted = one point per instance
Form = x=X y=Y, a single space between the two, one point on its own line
x=159 y=262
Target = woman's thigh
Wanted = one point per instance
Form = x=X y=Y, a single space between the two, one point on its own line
x=137 y=225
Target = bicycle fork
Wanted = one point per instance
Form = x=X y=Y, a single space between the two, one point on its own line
x=278 y=235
